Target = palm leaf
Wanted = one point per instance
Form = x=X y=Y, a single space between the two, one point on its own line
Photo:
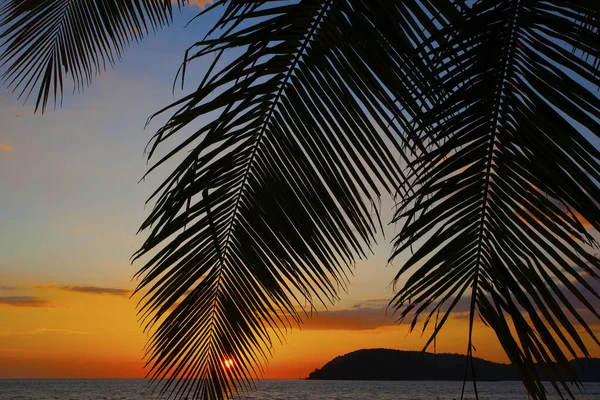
x=506 y=208
x=269 y=208
x=44 y=41
x=489 y=106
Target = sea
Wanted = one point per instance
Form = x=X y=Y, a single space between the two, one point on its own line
x=139 y=389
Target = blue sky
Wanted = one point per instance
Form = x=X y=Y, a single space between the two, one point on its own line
x=70 y=179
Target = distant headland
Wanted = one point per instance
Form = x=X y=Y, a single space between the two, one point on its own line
x=398 y=365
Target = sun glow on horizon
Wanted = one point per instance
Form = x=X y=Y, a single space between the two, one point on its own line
x=228 y=363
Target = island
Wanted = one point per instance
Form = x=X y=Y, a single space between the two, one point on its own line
x=399 y=365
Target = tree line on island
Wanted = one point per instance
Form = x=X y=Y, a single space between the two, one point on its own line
x=398 y=365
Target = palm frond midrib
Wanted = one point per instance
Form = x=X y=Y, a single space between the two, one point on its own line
x=274 y=103
x=497 y=119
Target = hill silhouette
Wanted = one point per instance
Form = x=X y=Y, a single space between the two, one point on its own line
x=398 y=365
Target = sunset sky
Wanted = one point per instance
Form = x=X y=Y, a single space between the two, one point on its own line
x=70 y=207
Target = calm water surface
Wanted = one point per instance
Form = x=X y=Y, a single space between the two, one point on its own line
x=137 y=389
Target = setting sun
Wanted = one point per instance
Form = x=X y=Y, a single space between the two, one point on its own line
x=228 y=363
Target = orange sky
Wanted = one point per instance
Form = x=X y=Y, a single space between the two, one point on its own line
x=96 y=334
x=93 y=332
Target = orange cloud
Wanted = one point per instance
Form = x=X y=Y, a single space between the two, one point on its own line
x=197 y=3
x=6 y=147
x=372 y=303
x=365 y=315
x=91 y=290
x=23 y=301
x=354 y=319
x=200 y=3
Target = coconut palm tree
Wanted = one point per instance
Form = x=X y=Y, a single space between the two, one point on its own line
x=480 y=117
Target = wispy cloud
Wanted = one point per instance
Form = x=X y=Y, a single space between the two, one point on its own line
x=6 y=147
x=353 y=319
x=24 y=301
x=8 y=287
x=587 y=315
x=201 y=3
x=372 y=303
x=56 y=330
x=368 y=314
x=42 y=331
x=198 y=3
x=90 y=290
x=371 y=314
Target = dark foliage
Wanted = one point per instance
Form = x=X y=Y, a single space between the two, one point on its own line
x=481 y=117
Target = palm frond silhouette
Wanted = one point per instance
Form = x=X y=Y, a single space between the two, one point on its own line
x=480 y=117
